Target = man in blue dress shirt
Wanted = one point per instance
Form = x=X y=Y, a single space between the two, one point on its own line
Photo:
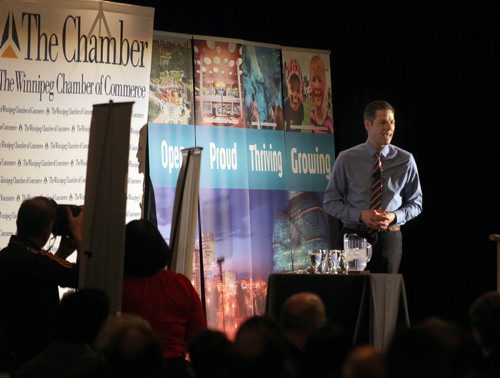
x=347 y=196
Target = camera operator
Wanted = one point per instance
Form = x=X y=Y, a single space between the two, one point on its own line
x=29 y=280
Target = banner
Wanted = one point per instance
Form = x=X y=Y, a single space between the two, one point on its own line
x=302 y=225
x=57 y=59
x=261 y=184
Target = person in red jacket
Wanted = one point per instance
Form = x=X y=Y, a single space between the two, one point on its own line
x=166 y=299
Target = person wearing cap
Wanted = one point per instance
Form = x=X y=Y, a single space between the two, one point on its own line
x=293 y=107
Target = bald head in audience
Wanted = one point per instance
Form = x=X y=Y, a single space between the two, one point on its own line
x=130 y=348
x=301 y=315
x=364 y=361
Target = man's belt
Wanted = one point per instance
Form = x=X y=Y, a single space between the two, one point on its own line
x=365 y=228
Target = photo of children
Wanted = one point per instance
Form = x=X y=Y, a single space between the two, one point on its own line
x=320 y=119
x=308 y=92
x=293 y=107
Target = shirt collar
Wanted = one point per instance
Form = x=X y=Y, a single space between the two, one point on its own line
x=372 y=151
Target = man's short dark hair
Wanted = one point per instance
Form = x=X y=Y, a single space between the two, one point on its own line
x=370 y=111
x=35 y=215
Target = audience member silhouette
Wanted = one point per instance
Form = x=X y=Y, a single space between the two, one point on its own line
x=485 y=325
x=461 y=352
x=417 y=353
x=364 y=361
x=301 y=315
x=29 y=280
x=81 y=316
x=166 y=299
x=130 y=348
x=211 y=355
x=261 y=350
x=325 y=352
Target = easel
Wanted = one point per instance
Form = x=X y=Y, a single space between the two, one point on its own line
x=101 y=262
x=185 y=214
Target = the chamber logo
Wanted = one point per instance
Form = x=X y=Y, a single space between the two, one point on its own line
x=42 y=41
x=9 y=45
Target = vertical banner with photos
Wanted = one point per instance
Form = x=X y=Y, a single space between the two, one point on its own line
x=260 y=187
x=171 y=117
x=57 y=59
x=302 y=225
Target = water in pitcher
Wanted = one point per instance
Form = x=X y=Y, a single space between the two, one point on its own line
x=357 y=252
x=357 y=259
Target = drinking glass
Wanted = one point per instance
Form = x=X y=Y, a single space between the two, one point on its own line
x=314 y=261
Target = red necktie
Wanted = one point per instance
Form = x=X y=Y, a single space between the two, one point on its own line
x=376 y=189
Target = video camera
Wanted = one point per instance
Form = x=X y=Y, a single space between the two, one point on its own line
x=61 y=226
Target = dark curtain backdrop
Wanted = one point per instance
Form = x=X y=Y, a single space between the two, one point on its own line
x=440 y=69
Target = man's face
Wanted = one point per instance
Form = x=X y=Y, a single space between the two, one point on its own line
x=295 y=92
x=141 y=150
x=381 y=130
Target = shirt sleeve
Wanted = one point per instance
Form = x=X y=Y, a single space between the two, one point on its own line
x=51 y=269
x=334 y=197
x=411 y=195
x=196 y=320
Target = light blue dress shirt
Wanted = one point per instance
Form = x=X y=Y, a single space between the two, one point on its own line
x=348 y=190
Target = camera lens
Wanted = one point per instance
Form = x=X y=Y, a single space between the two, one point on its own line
x=61 y=226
